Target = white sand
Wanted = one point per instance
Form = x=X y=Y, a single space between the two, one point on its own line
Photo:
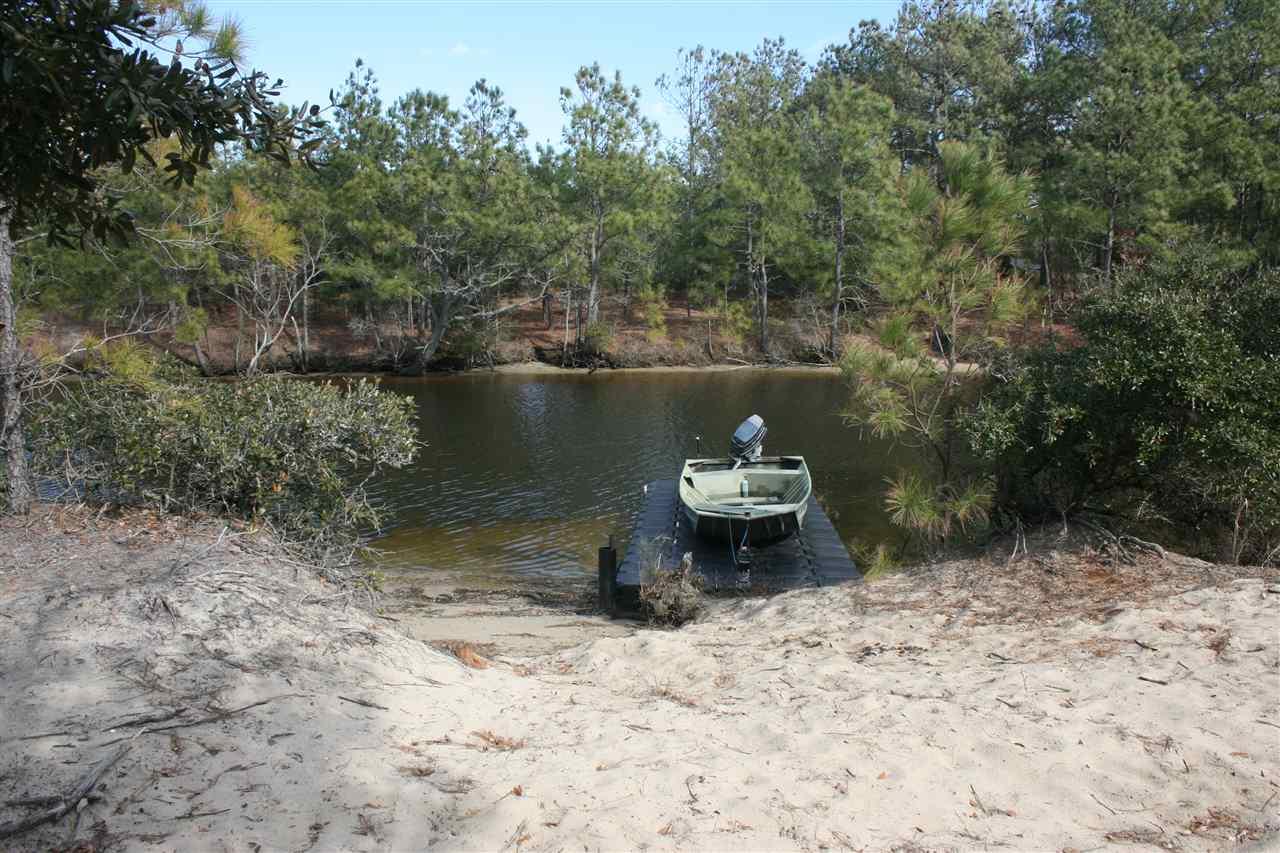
x=972 y=707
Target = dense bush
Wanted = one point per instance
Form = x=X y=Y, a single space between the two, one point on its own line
x=1168 y=410
x=290 y=453
x=597 y=338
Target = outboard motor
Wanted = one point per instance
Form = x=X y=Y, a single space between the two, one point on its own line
x=748 y=440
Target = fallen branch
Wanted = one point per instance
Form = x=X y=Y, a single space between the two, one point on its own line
x=69 y=801
x=43 y=802
x=192 y=815
x=364 y=703
x=214 y=718
x=1101 y=803
x=154 y=718
x=978 y=801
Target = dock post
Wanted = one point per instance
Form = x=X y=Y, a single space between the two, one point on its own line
x=607 y=578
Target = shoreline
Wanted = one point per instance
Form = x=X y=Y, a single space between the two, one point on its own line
x=1060 y=700
x=525 y=348
x=542 y=368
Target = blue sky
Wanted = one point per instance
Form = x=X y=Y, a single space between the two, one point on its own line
x=529 y=49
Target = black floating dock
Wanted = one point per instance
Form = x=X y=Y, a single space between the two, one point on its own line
x=814 y=557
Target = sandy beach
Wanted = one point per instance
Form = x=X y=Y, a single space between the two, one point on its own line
x=1066 y=700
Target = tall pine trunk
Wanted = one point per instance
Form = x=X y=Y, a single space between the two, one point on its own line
x=239 y=332
x=21 y=493
x=1108 y=250
x=306 y=330
x=1046 y=276
x=838 y=288
x=764 y=307
x=568 y=308
x=597 y=248
x=760 y=285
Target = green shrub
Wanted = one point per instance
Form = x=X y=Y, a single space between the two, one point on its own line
x=596 y=338
x=653 y=308
x=737 y=323
x=874 y=561
x=292 y=454
x=1169 y=410
x=469 y=343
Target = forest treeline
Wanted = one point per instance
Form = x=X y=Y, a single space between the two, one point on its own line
x=1143 y=125
x=1106 y=172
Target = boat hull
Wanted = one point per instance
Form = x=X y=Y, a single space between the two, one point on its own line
x=760 y=530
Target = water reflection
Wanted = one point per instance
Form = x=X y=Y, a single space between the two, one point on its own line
x=526 y=475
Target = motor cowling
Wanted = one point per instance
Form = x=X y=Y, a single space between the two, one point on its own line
x=747 y=443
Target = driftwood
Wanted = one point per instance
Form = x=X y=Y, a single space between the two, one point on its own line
x=1122 y=542
x=69 y=801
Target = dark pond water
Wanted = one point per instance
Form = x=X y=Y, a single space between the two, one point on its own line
x=525 y=476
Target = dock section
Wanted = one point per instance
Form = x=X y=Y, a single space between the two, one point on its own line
x=815 y=557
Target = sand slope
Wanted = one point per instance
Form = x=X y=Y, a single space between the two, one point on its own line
x=1061 y=702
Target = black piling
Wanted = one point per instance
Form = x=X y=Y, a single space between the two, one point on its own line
x=607 y=578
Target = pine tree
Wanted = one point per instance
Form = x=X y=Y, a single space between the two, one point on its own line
x=945 y=277
x=945 y=64
x=1127 y=128
x=1230 y=50
x=850 y=172
x=761 y=174
x=609 y=148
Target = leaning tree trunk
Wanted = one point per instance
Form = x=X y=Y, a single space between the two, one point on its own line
x=441 y=307
x=202 y=360
x=21 y=493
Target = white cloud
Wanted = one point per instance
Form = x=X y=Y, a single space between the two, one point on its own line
x=461 y=49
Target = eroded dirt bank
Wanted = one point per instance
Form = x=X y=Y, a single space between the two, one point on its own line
x=1062 y=701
